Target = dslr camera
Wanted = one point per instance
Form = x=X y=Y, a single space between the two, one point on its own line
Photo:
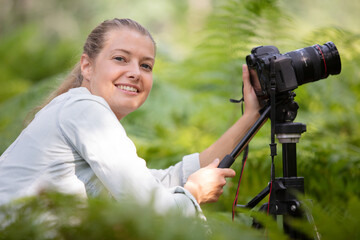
x=291 y=69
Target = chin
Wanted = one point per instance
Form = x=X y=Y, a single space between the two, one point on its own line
x=124 y=111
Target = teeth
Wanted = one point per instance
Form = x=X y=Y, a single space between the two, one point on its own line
x=127 y=88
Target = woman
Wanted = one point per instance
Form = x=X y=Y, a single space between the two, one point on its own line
x=76 y=145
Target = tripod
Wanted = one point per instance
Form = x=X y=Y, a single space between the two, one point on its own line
x=282 y=199
x=283 y=190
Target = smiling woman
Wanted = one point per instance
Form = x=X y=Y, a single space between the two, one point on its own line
x=76 y=144
x=122 y=71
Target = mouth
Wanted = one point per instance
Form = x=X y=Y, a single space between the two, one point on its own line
x=127 y=88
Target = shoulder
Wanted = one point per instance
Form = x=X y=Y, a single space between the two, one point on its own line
x=81 y=96
x=81 y=107
x=79 y=100
x=89 y=126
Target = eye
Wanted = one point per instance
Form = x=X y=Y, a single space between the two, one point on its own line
x=120 y=59
x=146 y=66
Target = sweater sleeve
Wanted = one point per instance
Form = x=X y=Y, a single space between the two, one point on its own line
x=96 y=134
x=178 y=174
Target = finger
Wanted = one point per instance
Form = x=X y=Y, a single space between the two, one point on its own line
x=228 y=172
x=246 y=76
x=249 y=92
x=215 y=163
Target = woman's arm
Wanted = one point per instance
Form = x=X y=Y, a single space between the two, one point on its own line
x=206 y=184
x=228 y=141
x=177 y=174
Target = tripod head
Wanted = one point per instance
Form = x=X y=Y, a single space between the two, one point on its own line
x=286 y=107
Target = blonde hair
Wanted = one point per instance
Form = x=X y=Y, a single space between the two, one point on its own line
x=92 y=47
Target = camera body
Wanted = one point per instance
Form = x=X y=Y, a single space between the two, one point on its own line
x=291 y=69
x=259 y=67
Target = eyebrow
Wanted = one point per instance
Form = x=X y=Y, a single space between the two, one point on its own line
x=129 y=53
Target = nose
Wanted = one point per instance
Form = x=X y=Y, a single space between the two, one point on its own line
x=133 y=72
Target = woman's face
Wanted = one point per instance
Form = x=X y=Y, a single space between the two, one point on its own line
x=122 y=71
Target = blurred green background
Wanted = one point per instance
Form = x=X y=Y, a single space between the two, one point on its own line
x=201 y=47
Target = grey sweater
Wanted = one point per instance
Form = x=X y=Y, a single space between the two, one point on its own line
x=76 y=145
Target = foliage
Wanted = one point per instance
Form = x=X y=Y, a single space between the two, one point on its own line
x=14 y=112
x=57 y=216
x=188 y=109
x=34 y=44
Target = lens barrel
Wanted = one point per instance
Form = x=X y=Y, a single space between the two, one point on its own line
x=316 y=62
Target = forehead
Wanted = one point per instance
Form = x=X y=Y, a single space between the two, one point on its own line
x=130 y=40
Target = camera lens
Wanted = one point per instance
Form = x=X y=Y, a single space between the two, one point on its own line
x=316 y=62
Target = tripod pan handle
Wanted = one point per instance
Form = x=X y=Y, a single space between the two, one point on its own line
x=226 y=162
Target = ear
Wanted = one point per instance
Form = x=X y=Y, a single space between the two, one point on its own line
x=86 y=67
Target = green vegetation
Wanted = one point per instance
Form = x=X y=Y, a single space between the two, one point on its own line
x=196 y=72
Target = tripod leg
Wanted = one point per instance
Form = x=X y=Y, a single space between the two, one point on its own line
x=253 y=202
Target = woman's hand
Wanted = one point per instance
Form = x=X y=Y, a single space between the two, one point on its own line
x=252 y=105
x=206 y=184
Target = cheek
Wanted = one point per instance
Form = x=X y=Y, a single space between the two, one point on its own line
x=149 y=82
x=103 y=77
x=150 y=85
x=101 y=87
